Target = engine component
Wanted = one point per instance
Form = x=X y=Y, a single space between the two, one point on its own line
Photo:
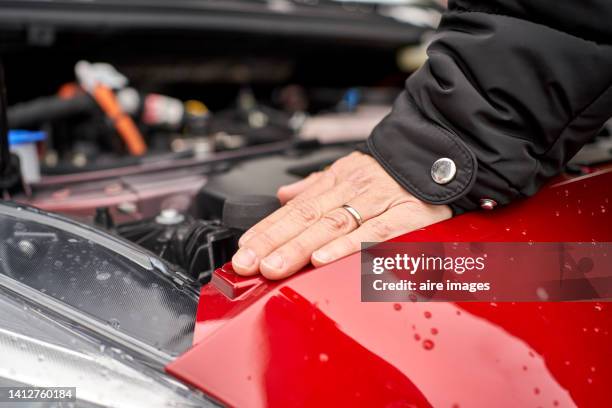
x=197 y=246
x=256 y=123
x=242 y=212
x=49 y=108
x=100 y=80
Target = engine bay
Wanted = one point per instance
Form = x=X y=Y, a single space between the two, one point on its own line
x=140 y=139
x=151 y=144
x=147 y=132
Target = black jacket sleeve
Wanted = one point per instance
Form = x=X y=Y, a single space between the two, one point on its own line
x=510 y=92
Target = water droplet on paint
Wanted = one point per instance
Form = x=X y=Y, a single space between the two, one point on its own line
x=428 y=344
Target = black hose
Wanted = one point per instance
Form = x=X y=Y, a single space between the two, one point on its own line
x=48 y=108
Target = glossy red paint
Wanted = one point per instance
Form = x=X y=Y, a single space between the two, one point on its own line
x=310 y=341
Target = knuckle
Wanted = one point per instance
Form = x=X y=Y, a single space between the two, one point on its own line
x=360 y=180
x=292 y=203
x=329 y=177
x=263 y=241
x=305 y=211
x=338 y=221
x=295 y=250
x=381 y=230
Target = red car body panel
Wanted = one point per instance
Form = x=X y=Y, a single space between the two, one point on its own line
x=310 y=341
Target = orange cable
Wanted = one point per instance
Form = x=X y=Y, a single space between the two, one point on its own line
x=124 y=124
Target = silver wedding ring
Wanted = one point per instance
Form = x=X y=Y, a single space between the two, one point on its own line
x=354 y=213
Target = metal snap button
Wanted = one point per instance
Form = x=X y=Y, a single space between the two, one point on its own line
x=487 y=203
x=443 y=171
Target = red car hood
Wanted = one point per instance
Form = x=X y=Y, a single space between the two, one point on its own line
x=310 y=341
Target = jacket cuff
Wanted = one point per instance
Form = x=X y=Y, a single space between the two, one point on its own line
x=407 y=145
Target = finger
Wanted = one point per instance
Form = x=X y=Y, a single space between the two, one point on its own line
x=396 y=221
x=299 y=216
x=295 y=254
x=324 y=182
x=359 y=179
x=290 y=191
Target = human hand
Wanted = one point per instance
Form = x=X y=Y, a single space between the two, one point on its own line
x=313 y=226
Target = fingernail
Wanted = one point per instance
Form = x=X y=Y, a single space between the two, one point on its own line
x=322 y=256
x=245 y=237
x=244 y=258
x=274 y=261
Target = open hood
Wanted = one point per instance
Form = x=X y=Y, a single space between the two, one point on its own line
x=309 y=340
